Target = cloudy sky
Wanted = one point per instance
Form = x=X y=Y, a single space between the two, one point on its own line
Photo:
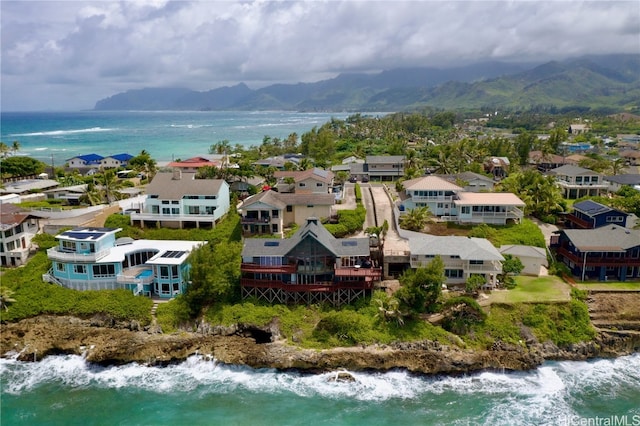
x=59 y=55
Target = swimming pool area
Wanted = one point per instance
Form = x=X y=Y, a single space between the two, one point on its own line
x=145 y=273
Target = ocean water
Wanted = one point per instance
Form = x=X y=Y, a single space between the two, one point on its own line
x=65 y=390
x=166 y=135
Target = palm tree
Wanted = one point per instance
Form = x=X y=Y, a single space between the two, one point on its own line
x=110 y=185
x=415 y=219
x=4 y=149
x=15 y=147
x=92 y=195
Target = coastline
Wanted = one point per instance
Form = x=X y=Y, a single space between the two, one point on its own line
x=104 y=342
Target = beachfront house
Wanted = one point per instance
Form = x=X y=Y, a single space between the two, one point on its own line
x=87 y=160
x=192 y=165
x=433 y=192
x=577 y=182
x=462 y=257
x=17 y=228
x=178 y=200
x=470 y=181
x=115 y=161
x=93 y=259
x=607 y=253
x=615 y=183
x=310 y=267
x=589 y=214
x=269 y=212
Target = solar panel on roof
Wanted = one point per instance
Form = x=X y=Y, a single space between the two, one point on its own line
x=83 y=235
x=173 y=254
x=271 y=243
x=349 y=243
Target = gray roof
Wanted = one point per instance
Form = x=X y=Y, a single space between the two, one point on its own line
x=605 y=238
x=571 y=170
x=167 y=188
x=467 y=248
x=22 y=186
x=384 y=159
x=628 y=179
x=280 y=200
x=312 y=229
x=523 y=251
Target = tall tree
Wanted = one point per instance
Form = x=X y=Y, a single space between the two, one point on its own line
x=422 y=287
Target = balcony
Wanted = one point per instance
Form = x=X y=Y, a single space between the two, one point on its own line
x=597 y=260
x=369 y=274
x=580 y=223
x=317 y=287
x=268 y=269
x=173 y=217
x=56 y=254
x=254 y=220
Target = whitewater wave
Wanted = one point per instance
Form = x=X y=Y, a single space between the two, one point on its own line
x=548 y=389
x=66 y=132
x=190 y=126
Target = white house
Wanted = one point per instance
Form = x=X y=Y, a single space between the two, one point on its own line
x=534 y=259
x=178 y=200
x=17 y=229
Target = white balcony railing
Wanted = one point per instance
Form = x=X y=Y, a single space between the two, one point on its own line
x=55 y=253
x=174 y=217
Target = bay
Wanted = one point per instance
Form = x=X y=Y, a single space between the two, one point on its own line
x=166 y=135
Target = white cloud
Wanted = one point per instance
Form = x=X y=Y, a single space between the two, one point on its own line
x=108 y=46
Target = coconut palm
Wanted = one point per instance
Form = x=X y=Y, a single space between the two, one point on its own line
x=15 y=147
x=415 y=219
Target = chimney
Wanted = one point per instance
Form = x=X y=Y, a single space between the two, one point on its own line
x=177 y=174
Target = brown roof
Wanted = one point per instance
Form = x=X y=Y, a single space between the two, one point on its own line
x=277 y=199
x=430 y=183
x=166 y=187
x=11 y=216
x=300 y=175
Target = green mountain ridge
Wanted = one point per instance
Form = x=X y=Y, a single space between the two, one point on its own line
x=610 y=82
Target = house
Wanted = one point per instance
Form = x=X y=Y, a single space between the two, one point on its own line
x=497 y=208
x=589 y=214
x=450 y=202
x=578 y=129
x=312 y=181
x=115 y=161
x=609 y=252
x=433 y=192
x=577 y=182
x=269 y=212
x=631 y=157
x=384 y=167
x=546 y=161
x=310 y=267
x=92 y=259
x=615 y=183
x=178 y=200
x=70 y=194
x=192 y=165
x=497 y=166
x=27 y=186
x=462 y=256
x=88 y=160
x=534 y=259
x=17 y=229
x=470 y=181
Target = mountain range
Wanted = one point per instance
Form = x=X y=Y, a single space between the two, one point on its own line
x=610 y=82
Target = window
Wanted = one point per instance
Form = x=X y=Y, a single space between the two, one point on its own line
x=165 y=201
x=175 y=210
x=476 y=262
x=68 y=245
x=100 y=271
x=166 y=210
x=61 y=267
x=164 y=272
x=175 y=202
x=274 y=213
x=302 y=184
x=274 y=227
x=289 y=208
x=79 y=269
x=174 y=271
x=615 y=219
x=319 y=184
x=176 y=287
x=165 y=288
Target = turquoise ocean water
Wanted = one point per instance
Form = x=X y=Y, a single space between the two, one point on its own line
x=65 y=390
x=165 y=135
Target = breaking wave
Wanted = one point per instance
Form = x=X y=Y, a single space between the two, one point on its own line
x=66 y=132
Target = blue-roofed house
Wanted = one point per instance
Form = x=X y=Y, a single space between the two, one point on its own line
x=93 y=259
x=589 y=214
x=116 y=160
x=88 y=160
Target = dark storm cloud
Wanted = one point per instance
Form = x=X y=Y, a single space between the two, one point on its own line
x=105 y=47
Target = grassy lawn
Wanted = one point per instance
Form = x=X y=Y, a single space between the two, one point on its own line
x=534 y=289
x=610 y=285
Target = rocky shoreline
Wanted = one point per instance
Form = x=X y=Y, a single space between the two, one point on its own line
x=105 y=342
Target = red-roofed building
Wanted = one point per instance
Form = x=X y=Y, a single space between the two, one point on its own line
x=191 y=165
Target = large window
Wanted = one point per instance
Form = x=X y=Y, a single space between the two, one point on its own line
x=102 y=271
x=68 y=245
x=164 y=272
x=79 y=269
